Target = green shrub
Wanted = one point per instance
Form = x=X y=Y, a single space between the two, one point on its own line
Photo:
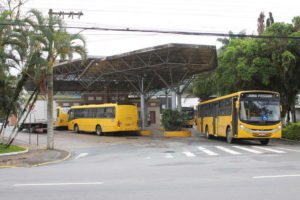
x=173 y=120
x=292 y=131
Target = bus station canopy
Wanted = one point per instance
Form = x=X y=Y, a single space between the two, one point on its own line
x=145 y=70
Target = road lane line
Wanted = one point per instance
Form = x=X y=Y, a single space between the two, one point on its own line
x=278 y=176
x=228 y=150
x=207 y=151
x=289 y=149
x=272 y=150
x=56 y=184
x=189 y=154
x=248 y=149
x=81 y=155
x=168 y=155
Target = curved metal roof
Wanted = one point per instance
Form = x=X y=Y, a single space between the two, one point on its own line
x=164 y=66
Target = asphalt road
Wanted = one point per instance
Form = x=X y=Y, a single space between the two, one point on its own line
x=134 y=168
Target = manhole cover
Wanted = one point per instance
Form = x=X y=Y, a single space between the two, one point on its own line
x=169 y=152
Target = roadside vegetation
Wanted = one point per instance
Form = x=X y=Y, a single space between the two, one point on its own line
x=173 y=120
x=30 y=45
x=292 y=131
x=10 y=149
x=257 y=64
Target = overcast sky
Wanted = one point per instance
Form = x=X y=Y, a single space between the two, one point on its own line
x=217 y=16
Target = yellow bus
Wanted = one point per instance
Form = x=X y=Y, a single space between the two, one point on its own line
x=242 y=115
x=62 y=117
x=190 y=116
x=103 y=118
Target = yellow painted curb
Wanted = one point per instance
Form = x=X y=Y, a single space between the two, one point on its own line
x=145 y=132
x=161 y=129
x=177 y=134
x=56 y=161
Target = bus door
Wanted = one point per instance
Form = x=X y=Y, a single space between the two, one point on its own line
x=235 y=107
x=215 y=118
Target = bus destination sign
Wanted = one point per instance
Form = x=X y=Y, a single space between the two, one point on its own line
x=259 y=95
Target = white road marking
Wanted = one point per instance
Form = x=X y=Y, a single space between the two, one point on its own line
x=207 y=151
x=168 y=155
x=278 y=176
x=272 y=150
x=248 y=149
x=289 y=149
x=81 y=155
x=189 y=154
x=56 y=184
x=228 y=150
x=148 y=158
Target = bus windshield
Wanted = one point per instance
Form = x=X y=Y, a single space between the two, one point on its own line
x=260 y=110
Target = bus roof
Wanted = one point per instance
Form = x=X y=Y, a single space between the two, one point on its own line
x=101 y=105
x=237 y=94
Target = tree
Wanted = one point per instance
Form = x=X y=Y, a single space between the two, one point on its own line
x=55 y=44
x=268 y=64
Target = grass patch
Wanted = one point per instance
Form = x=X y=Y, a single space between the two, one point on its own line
x=10 y=149
x=292 y=131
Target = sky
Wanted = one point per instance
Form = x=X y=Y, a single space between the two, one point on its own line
x=214 y=16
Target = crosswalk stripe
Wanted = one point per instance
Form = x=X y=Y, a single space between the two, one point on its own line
x=207 y=151
x=189 y=154
x=168 y=155
x=228 y=150
x=289 y=149
x=248 y=149
x=272 y=150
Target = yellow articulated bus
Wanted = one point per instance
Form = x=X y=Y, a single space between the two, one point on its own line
x=190 y=116
x=103 y=118
x=242 y=115
x=62 y=117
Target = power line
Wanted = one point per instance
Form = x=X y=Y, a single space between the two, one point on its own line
x=162 y=31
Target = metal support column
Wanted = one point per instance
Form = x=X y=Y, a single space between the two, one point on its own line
x=143 y=105
x=167 y=99
x=173 y=93
x=179 y=107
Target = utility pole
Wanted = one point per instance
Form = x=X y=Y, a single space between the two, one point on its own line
x=50 y=132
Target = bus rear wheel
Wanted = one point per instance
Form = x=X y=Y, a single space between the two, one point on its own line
x=76 y=129
x=99 y=130
x=264 y=141
x=229 y=136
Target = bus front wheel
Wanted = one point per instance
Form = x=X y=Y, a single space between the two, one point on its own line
x=99 y=130
x=229 y=136
x=264 y=141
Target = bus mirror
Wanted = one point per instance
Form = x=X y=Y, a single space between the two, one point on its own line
x=280 y=108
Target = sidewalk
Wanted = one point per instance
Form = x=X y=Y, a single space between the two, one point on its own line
x=34 y=158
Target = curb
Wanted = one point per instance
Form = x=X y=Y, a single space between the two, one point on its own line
x=42 y=164
x=55 y=161
x=145 y=133
x=14 y=153
x=177 y=134
x=284 y=139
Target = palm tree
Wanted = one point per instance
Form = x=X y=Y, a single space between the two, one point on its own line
x=55 y=44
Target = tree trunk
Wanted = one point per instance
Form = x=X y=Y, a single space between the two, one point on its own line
x=50 y=134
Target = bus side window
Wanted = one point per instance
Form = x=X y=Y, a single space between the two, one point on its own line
x=71 y=115
x=109 y=112
x=100 y=113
